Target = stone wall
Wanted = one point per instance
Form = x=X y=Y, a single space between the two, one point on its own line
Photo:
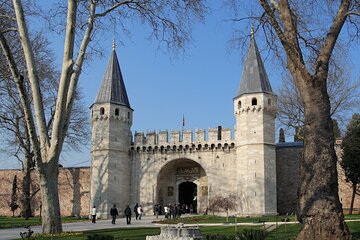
x=287 y=173
x=288 y=157
x=74 y=185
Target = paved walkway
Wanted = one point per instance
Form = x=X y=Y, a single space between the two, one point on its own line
x=146 y=221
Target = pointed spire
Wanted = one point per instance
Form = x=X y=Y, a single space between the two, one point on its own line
x=254 y=78
x=112 y=88
x=113 y=45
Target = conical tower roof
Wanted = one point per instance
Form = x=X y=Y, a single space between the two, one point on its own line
x=112 y=88
x=254 y=78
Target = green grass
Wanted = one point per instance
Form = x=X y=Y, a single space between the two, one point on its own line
x=118 y=233
x=352 y=217
x=140 y=233
x=223 y=230
x=14 y=222
x=283 y=232
x=290 y=231
x=217 y=219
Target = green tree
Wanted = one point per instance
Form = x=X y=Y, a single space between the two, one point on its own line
x=13 y=203
x=351 y=156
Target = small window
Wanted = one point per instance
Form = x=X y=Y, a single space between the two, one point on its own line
x=102 y=111
x=239 y=104
x=269 y=102
x=129 y=115
x=254 y=101
x=116 y=112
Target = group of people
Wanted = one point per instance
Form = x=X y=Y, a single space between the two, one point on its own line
x=171 y=211
x=114 y=213
x=175 y=210
x=127 y=212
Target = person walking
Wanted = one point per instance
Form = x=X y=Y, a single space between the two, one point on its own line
x=166 y=210
x=136 y=211
x=127 y=213
x=157 y=210
x=93 y=214
x=140 y=212
x=113 y=213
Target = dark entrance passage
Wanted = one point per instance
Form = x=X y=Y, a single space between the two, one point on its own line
x=188 y=196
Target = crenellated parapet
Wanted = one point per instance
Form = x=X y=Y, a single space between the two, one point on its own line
x=188 y=139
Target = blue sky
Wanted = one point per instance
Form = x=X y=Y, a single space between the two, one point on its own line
x=162 y=87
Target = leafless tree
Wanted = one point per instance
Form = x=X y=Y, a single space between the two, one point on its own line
x=169 y=21
x=13 y=126
x=221 y=203
x=303 y=34
x=344 y=96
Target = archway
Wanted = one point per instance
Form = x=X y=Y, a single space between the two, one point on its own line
x=182 y=181
x=188 y=196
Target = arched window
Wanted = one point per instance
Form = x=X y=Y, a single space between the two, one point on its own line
x=254 y=102
x=102 y=111
x=116 y=112
x=269 y=102
x=239 y=104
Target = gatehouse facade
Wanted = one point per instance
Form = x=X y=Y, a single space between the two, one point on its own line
x=186 y=167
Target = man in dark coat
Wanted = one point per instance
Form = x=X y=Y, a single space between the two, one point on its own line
x=127 y=213
x=136 y=211
x=113 y=214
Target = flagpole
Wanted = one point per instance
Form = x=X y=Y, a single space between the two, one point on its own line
x=183 y=123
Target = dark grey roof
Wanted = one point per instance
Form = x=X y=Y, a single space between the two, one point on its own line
x=254 y=78
x=112 y=88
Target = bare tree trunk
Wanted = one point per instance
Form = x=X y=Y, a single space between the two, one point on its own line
x=320 y=210
x=50 y=211
x=25 y=201
x=354 y=186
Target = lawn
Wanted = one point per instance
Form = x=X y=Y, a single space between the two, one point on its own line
x=217 y=219
x=13 y=222
x=283 y=232
x=140 y=233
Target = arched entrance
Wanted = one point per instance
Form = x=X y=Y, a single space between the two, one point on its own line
x=182 y=181
x=188 y=196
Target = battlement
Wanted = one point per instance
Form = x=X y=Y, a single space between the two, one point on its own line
x=217 y=135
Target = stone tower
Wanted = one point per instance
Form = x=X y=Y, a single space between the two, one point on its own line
x=111 y=120
x=254 y=108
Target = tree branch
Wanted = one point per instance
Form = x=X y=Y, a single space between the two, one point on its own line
x=78 y=65
x=25 y=102
x=330 y=40
x=67 y=71
x=32 y=73
x=352 y=13
x=112 y=8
